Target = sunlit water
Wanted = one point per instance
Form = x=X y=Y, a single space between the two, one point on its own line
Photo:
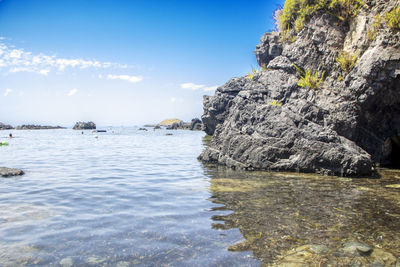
x=137 y=198
x=127 y=198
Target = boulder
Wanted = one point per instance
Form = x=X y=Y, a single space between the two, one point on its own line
x=344 y=127
x=84 y=125
x=7 y=172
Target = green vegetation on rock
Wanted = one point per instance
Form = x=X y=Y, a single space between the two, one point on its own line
x=311 y=79
x=295 y=13
x=393 y=18
x=249 y=75
x=373 y=30
x=347 y=61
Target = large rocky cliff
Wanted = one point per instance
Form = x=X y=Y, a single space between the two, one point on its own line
x=345 y=126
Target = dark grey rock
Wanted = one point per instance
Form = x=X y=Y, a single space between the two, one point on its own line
x=37 y=127
x=5 y=126
x=269 y=48
x=84 y=125
x=196 y=125
x=176 y=126
x=343 y=128
x=142 y=129
x=7 y=172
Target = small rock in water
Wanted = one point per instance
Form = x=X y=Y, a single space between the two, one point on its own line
x=94 y=260
x=122 y=264
x=354 y=248
x=6 y=172
x=67 y=262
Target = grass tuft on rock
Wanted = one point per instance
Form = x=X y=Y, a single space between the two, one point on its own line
x=373 y=30
x=249 y=75
x=311 y=79
x=393 y=18
x=347 y=61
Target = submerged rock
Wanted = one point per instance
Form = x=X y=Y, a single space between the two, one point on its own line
x=84 y=125
x=343 y=127
x=7 y=172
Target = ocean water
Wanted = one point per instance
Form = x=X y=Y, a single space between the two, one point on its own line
x=126 y=198
x=141 y=198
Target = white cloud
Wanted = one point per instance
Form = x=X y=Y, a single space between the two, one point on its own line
x=15 y=53
x=8 y=90
x=211 y=88
x=195 y=87
x=192 y=86
x=172 y=99
x=19 y=60
x=44 y=72
x=131 y=79
x=72 y=92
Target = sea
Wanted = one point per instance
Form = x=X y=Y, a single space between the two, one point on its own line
x=129 y=197
x=121 y=198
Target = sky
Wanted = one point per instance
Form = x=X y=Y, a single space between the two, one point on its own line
x=122 y=62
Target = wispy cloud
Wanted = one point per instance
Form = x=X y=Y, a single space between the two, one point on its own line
x=8 y=90
x=211 y=88
x=192 y=86
x=72 y=92
x=196 y=87
x=131 y=79
x=19 y=60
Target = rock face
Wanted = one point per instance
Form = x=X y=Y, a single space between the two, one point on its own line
x=37 y=127
x=7 y=172
x=196 y=125
x=84 y=125
x=5 y=126
x=348 y=124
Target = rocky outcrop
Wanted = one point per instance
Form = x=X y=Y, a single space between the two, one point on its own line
x=194 y=125
x=84 y=125
x=37 y=127
x=7 y=172
x=5 y=126
x=344 y=127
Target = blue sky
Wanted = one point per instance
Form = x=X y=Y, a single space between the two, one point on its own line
x=122 y=62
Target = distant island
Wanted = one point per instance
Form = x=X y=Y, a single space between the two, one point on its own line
x=84 y=125
x=177 y=124
x=37 y=127
x=29 y=127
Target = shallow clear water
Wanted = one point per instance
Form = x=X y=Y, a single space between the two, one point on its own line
x=127 y=198
x=134 y=198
